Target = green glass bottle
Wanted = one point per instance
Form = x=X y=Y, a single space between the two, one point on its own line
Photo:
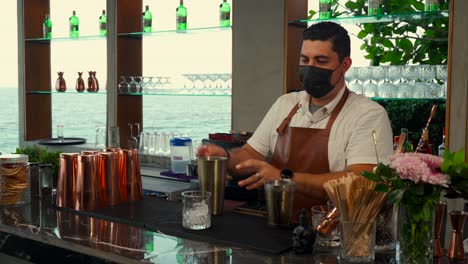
x=431 y=5
x=74 y=25
x=47 y=27
x=181 y=16
x=225 y=14
x=407 y=147
x=147 y=20
x=325 y=9
x=374 y=7
x=103 y=23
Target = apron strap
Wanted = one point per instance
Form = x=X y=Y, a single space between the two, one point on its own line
x=282 y=128
x=337 y=109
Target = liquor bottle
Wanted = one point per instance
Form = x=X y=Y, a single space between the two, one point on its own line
x=74 y=25
x=441 y=147
x=47 y=27
x=181 y=16
x=225 y=14
x=147 y=20
x=103 y=23
x=374 y=7
x=407 y=147
x=325 y=9
x=432 y=5
x=426 y=148
x=396 y=139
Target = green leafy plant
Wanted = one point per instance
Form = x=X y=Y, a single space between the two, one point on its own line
x=455 y=166
x=41 y=155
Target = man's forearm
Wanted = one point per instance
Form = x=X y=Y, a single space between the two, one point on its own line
x=311 y=185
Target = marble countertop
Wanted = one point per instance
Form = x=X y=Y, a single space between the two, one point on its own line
x=122 y=243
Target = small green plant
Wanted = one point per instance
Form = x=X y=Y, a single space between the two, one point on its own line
x=455 y=166
x=41 y=155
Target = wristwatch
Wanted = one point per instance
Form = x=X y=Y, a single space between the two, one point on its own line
x=286 y=174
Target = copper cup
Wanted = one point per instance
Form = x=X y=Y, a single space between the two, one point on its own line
x=87 y=195
x=66 y=179
x=439 y=217
x=110 y=184
x=120 y=172
x=132 y=175
x=90 y=152
x=456 y=250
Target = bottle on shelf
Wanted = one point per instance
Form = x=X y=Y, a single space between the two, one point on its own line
x=80 y=86
x=441 y=147
x=103 y=23
x=181 y=16
x=431 y=5
x=374 y=7
x=74 y=25
x=147 y=20
x=47 y=27
x=325 y=9
x=225 y=14
x=407 y=147
x=396 y=139
x=60 y=84
x=425 y=148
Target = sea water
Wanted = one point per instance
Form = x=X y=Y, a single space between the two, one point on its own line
x=194 y=116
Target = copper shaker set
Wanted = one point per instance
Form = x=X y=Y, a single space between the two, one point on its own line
x=93 y=179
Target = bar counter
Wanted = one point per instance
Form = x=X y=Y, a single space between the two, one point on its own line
x=119 y=242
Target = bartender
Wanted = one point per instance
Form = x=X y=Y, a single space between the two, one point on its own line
x=317 y=134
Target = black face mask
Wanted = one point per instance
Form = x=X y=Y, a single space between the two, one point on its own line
x=316 y=81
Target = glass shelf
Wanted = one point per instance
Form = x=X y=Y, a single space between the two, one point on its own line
x=172 y=31
x=407 y=99
x=64 y=93
x=377 y=19
x=132 y=34
x=131 y=94
x=65 y=38
x=174 y=94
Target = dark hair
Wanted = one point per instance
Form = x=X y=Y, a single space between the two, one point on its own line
x=330 y=31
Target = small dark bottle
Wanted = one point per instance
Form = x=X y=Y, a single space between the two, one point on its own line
x=303 y=237
x=60 y=84
x=80 y=85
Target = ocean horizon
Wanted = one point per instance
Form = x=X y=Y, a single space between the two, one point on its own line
x=81 y=114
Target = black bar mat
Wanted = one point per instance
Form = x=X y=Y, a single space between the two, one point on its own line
x=231 y=228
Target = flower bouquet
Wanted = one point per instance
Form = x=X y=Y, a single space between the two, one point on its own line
x=414 y=182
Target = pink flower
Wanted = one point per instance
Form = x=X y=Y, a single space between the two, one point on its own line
x=419 y=167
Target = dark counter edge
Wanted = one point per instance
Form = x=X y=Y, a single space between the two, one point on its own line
x=68 y=245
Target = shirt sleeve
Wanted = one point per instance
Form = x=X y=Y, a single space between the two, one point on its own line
x=261 y=138
x=361 y=148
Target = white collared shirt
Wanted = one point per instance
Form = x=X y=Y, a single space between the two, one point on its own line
x=350 y=141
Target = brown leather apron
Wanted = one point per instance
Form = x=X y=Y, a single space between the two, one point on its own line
x=304 y=150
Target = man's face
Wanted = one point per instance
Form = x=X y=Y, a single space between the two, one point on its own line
x=320 y=54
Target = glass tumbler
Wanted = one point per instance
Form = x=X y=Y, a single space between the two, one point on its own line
x=196 y=210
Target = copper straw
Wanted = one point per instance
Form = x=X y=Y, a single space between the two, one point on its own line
x=439 y=217
x=401 y=140
x=421 y=139
x=132 y=175
x=329 y=222
x=66 y=179
x=110 y=184
x=87 y=195
x=121 y=168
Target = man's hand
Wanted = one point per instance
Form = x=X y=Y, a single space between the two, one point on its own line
x=263 y=172
x=211 y=150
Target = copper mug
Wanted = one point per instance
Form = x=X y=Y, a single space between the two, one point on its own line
x=66 y=179
x=120 y=172
x=132 y=175
x=87 y=190
x=110 y=182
